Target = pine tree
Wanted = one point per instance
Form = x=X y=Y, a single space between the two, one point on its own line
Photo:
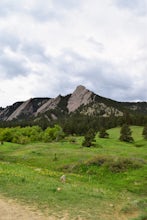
x=103 y=133
x=125 y=134
x=89 y=138
x=144 y=132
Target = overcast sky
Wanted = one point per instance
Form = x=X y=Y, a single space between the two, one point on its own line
x=48 y=47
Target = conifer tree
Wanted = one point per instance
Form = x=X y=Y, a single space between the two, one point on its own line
x=125 y=133
x=103 y=133
x=89 y=139
x=144 y=132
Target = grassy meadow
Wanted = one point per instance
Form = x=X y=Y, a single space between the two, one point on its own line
x=106 y=182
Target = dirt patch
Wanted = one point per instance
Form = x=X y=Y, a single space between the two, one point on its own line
x=11 y=210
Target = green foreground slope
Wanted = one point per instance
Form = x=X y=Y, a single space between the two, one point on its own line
x=106 y=182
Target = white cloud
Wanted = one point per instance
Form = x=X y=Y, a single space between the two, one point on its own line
x=49 y=47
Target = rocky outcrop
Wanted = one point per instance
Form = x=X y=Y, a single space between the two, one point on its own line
x=81 y=96
x=50 y=104
x=98 y=108
x=6 y=112
x=27 y=108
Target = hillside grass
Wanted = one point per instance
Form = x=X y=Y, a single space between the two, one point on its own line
x=105 y=182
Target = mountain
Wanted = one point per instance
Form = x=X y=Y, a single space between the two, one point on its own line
x=21 y=110
x=81 y=101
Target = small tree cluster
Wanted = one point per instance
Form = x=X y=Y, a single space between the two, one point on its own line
x=53 y=134
x=31 y=134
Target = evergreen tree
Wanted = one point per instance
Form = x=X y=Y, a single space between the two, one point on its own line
x=144 y=132
x=125 y=134
x=89 y=139
x=103 y=133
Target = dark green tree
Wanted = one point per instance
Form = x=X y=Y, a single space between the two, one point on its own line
x=144 y=132
x=89 y=139
x=125 y=134
x=103 y=133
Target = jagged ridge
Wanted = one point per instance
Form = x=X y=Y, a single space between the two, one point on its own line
x=82 y=100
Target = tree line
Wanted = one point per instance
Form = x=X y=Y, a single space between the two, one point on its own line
x=79 y=124
x=23 y=135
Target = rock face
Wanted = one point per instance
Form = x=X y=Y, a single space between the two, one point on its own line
x=6 y=112
x=81 y=96
x=26 y=109
x=102 y=109
x=50 y=104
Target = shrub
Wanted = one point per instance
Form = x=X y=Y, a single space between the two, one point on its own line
x=53 y=134
x=97 y=161
x=114 y=165
x=123 y=164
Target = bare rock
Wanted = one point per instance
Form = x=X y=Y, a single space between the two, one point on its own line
x=27 y=108
x=51 y=104
x=81 y=96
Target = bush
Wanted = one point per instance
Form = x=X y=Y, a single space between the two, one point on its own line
x=6 y=135
x=98 y=161
x=123 y=164
x=53 y=134
x=115 y=165
x=71 y=139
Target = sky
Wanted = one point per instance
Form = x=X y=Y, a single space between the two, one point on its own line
x=50 y=47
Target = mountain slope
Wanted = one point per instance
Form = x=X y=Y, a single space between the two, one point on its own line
x=21 y=110
x=82 y=100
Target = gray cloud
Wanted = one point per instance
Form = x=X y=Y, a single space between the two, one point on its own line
x=8 y=7
x=39 y=10
x=44 y=12
x=13 y=67
x=137 y=6
x=98 y=45
x=66 y=4
x=8 y=39
x=35 y=52
x=102 y=77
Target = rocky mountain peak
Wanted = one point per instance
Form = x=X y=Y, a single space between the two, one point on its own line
x=79 y=89
x=81 y=96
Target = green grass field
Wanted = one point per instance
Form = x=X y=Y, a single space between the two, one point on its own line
x=106 y=182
